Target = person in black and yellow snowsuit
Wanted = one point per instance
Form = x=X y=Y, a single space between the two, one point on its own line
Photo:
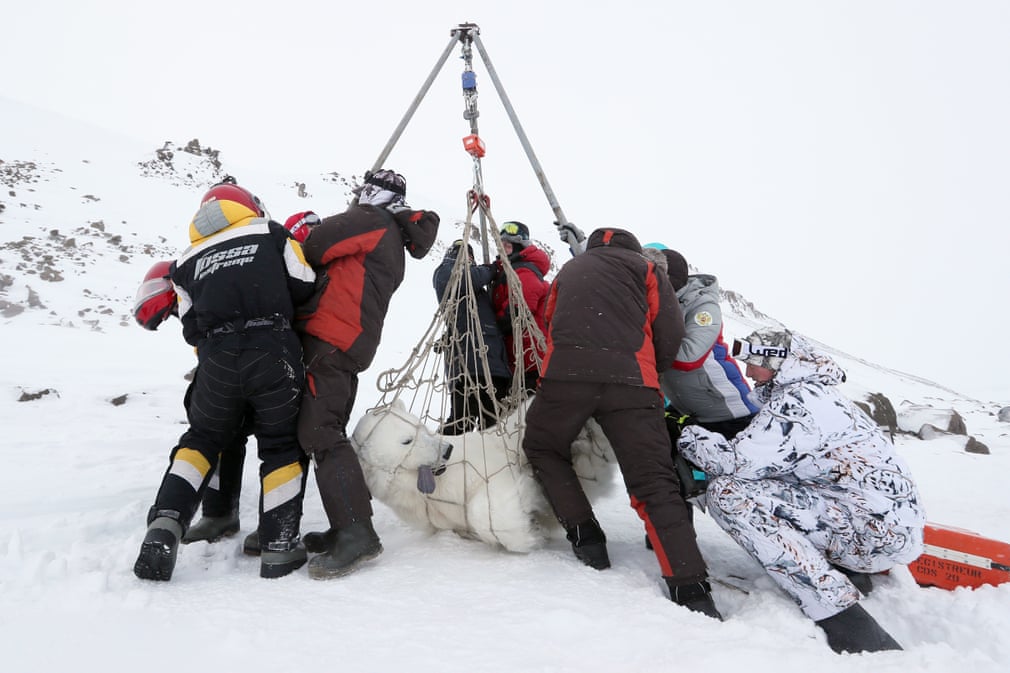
x=156 y=301
x=237 y=284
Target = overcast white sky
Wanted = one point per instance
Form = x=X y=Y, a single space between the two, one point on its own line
x=844 y=165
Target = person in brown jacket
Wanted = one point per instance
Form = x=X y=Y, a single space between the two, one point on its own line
x=359 y=255
x=614 y=323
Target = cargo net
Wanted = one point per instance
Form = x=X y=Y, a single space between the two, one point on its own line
x=487 y=423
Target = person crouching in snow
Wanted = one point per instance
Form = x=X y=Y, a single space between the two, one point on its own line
x=704 y=383
x=812 y=488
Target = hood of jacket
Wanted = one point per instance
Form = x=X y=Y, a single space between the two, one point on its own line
x=615 y=238
x=216 y=216
x=700 y=286
x=534 y=256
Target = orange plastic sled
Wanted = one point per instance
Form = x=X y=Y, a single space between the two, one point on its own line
x=955 y=557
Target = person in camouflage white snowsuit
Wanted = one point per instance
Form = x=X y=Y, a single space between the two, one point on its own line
x=812 y=488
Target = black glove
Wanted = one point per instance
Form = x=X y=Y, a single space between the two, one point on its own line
x=693 y=481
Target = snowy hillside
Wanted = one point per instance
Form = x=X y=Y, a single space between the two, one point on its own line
x=91 y=405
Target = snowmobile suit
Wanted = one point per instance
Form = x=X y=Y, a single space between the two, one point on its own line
x=156 y=300
x=811 y=482
x=238 y=284
x=613 y=323
x=224 y=489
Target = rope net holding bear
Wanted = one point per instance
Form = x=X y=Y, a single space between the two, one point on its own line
x=451 y=358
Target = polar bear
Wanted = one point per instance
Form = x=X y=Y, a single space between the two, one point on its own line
x=478 y=484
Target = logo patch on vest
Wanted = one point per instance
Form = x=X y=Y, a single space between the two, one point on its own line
x=703 y=318
x=236 y=256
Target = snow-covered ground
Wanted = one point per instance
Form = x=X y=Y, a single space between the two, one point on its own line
x=82 y=465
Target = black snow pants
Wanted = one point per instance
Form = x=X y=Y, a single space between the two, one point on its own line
x=257 y=372
x=224 y=490
x=632 y=419
x=332 y=385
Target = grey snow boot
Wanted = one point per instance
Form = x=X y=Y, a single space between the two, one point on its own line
x=212 y=528
x=855 y=630
x=351 y=547
x=589 y=544
x=157 y=553
x=275 y=564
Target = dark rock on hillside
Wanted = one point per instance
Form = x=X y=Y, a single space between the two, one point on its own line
x=975 y=446
x=27 y=396
x=878 y=407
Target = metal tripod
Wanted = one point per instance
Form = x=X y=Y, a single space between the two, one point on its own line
x=468 y=35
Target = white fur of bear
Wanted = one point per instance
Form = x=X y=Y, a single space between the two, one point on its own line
x=484 y=489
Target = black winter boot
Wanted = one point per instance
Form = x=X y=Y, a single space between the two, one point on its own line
x=589 y=544
x=157 y=552
x=251 y=544
x=351 y=547
x=275 y=564
x=854 y=630
x=319 y=542
x=861 y=581
x=695 y=596
x=212 y=528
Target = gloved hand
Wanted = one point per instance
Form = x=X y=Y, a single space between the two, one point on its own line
x=491 y=270
x=573 y=236
x=693 y=481
x=569 y=233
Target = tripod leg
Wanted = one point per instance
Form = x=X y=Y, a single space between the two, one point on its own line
x=523 y=140
x=415 y=103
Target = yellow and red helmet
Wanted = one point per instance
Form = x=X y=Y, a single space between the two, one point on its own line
x=229 y=191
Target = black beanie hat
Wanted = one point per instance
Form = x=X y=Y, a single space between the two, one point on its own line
x=676 y=268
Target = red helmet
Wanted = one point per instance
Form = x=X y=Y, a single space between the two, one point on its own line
x=156 y=298
x=300 y=224
x=229 y=191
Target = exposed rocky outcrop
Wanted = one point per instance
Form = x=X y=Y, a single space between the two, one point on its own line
x=200 y=166
x=878 y=407
x=911 y=418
